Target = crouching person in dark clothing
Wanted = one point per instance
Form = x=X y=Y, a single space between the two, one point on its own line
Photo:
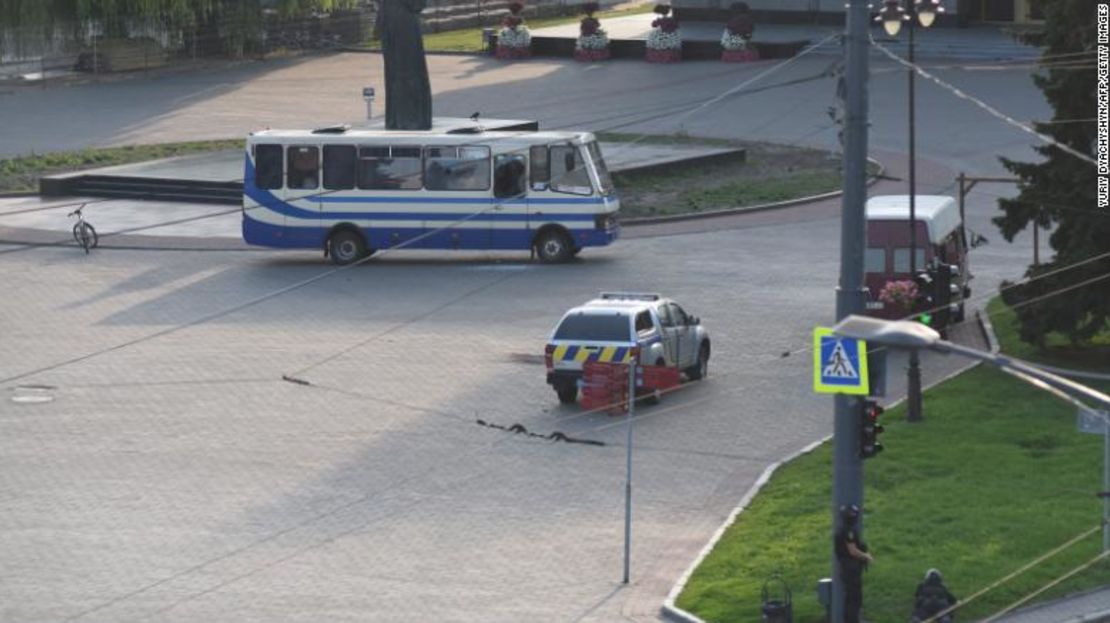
x=852 y=557
x=931 y=598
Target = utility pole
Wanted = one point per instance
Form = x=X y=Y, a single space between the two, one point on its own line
x=850 y=297
x=913 y=373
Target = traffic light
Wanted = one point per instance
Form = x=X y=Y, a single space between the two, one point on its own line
x=942 y=280
x=926 y=296
x=870 y=429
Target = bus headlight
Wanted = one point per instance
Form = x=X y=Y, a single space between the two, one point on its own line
x=605 y=221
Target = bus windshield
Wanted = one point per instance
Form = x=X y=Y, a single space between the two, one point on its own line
x=604 y=182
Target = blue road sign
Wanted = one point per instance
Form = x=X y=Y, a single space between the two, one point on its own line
x=839 y=364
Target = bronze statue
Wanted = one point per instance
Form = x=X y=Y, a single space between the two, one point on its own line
x=408 y=94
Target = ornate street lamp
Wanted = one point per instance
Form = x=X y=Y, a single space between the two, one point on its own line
x=892 y=15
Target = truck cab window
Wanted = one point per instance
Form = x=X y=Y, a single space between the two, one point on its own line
x=644 y=323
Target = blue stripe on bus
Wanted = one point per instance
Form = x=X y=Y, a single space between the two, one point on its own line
x=466 y=200
x=313 y=237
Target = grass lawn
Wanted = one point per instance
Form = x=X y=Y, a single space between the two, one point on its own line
x=470 y=39
x=995 y=477
x=21 y=174
x=770 y=173
x=1058 y=350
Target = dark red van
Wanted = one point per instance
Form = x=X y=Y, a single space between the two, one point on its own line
x=941 y=283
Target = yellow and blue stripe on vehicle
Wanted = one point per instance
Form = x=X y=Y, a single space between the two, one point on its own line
x=583 y=354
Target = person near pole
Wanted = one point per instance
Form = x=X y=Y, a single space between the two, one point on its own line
x=853 y=558
x=931 y=598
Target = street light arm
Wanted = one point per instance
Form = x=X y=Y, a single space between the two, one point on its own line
x=1060 y=386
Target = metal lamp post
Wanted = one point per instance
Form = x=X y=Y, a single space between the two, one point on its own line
x=915 y=336
x=892 y=16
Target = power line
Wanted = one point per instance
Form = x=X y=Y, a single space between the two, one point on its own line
x=1080 y=568
x=983 y=105
x=1020 y=570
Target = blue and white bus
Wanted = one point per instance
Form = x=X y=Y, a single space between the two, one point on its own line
x=352 y=192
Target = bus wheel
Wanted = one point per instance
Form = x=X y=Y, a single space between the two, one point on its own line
x=346 y=246
x=553 y=247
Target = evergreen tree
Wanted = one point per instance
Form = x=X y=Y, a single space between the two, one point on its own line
x=1060 y=190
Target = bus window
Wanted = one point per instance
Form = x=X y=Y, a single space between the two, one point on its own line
x=456 y=168
x=508 y=176
x=302 y=165
x=389 y=168
x=568 y=171
x=267 y=166
x=541 y=169
x=339 y=167
x=902 y=259
x=874 y=260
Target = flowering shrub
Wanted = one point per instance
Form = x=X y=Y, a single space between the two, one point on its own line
x=591 y=35
x=900 y=294
x=664 y=33
x=732 y=42
x=514 y=34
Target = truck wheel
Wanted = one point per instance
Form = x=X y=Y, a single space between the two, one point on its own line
x=568 y=394
x=701 y=370
x=554 y=247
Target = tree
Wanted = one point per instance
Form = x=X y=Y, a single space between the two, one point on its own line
x=1060 y=190
x=28 y=24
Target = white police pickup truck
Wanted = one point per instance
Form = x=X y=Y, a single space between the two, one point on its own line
x=619 y=326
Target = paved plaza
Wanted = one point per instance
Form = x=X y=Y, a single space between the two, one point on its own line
x=179 y=442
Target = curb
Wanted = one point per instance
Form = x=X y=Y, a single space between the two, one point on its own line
x=988 y=331
x=694 y=216
x=672 y=612
x=995 y=348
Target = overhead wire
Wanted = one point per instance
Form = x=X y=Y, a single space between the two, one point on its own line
x=983 y=105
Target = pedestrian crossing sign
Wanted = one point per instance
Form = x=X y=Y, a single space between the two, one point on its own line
x=839 y=364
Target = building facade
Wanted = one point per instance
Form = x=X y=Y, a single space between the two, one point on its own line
x=958 y=12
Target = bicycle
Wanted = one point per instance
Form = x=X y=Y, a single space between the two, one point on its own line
x=83 y=232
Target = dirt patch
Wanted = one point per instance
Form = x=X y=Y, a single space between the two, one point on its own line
x=769 y=173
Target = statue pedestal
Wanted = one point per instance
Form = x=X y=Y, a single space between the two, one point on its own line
x=508 y=53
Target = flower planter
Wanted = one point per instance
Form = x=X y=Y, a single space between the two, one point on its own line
x=588 y=55
x=671 y=55
x=509 y=53
x=740 y=56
